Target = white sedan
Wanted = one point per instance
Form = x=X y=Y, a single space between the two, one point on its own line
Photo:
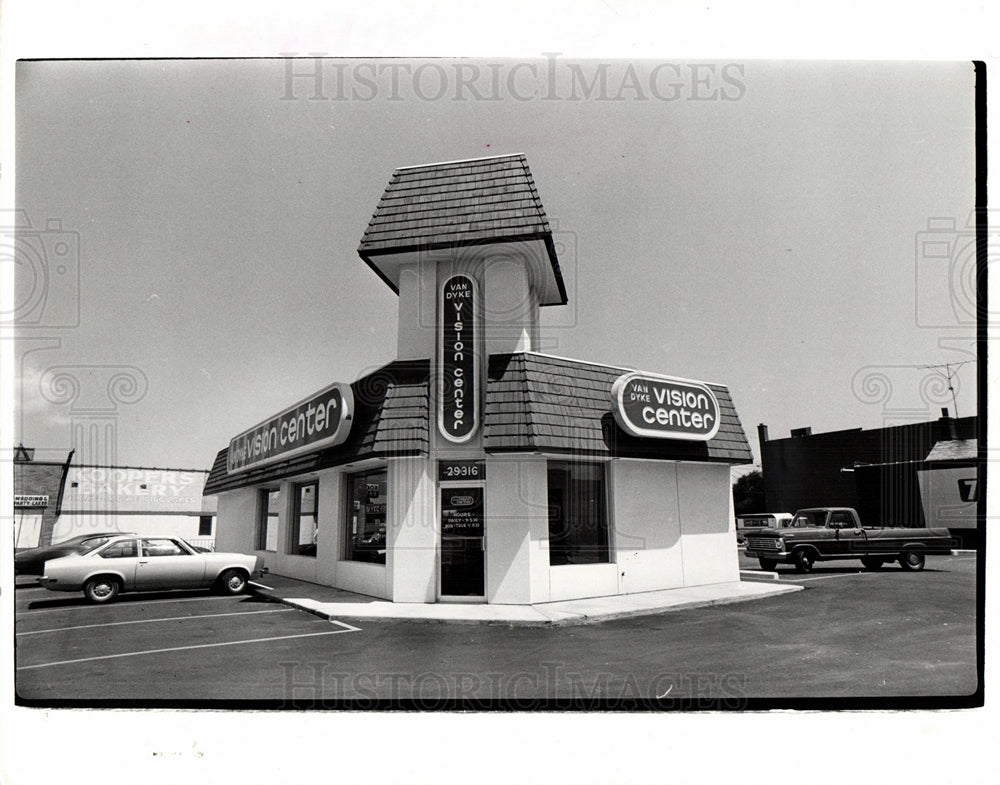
x=133 y=563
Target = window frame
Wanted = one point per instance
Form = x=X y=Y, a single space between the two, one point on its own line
x=181 y=547
x=295 y=545
x=264 y=518
x=103 y=549
x=605 y=550
x=351 y=480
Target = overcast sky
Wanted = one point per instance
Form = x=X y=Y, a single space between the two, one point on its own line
x=752 y=223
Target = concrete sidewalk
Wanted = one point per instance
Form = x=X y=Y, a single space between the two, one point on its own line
x=336 y=604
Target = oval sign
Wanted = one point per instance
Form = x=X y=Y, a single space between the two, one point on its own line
x=458 y=367
x=321 y=420
x=664 y=407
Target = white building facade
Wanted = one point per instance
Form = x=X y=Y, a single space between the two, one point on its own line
x=474 y=468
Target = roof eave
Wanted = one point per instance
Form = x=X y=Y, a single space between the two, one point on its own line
x=368 y=255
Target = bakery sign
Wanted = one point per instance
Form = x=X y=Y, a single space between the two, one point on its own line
x=25 y=500
x=664 y=407
x=458 y=369
x=321 y=420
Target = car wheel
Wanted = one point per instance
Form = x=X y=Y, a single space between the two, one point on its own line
x=872 y=563
x=101 y=589
x=232 y=582
x=911 y=560
x=768 y=565
x=804 y=560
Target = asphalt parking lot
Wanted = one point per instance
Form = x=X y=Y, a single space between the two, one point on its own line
x=851 y=635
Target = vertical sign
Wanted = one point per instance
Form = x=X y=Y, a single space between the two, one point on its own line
x=458 y=369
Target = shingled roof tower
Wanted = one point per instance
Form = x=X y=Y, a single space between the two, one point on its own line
x=480 y=217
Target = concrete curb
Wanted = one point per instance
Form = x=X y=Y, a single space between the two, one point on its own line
x=759 y=575
x=528 y=616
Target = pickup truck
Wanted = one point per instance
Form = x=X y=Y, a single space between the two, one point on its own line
x=824 y=533
x=762 y=520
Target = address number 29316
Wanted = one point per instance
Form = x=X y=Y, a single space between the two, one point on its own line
x=461 y=470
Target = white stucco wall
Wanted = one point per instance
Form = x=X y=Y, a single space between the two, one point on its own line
x=511 y=310
x=709 y=548
x=647 y=526
x=186 y=526
x=411 y=531
x=234 y=527
x=417 y=324
x=517 y=534
x=330 y=539
x=671 y=528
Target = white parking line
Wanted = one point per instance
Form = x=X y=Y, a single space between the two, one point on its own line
x=158 y=601
x=826 y=577
x=148 y=621
x=347 y=627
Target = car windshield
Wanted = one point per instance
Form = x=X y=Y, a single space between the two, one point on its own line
x=808 y=518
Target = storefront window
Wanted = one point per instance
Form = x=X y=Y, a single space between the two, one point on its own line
x=578 y=522
x=268 y=507
x=305 y=519
x=366 y=500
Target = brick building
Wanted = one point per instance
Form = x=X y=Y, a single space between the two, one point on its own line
x=38 y=492
x=55 y=500
x=879 y=472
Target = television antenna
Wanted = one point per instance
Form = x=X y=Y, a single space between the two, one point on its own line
x=949 y=373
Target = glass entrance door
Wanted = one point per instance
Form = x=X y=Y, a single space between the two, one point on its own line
x=462 y=530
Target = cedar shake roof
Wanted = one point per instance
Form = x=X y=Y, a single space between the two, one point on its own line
x=549 y=404
x=534 y=403
x=390 y=419
x=456 y=204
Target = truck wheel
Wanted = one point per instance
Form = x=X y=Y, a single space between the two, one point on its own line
x=911 y=560
x=804 y=560
x=768 y=565
x=872 y=562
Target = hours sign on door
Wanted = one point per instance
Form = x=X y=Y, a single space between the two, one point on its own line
x=458 y=370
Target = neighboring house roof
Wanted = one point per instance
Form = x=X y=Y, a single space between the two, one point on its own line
x=954 y=450
x=536 y=402
x=390 y=418
x=460 y=203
